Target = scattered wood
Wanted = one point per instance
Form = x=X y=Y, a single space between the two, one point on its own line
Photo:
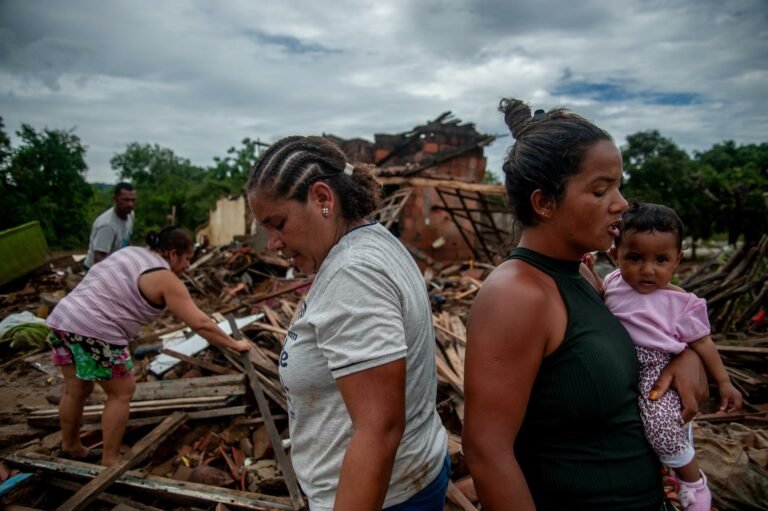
x=160 y=486
x=274 y=436
x=458 y=498
x=210 y=385
x=735 y=291
x=214 y=368
x=91 y=490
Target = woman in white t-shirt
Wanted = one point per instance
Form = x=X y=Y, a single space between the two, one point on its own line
x=358 y=364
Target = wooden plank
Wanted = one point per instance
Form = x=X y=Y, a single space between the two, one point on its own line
x=218 y=412
x=215 y=368
x=247 y=421
x=184 y=387
x=274 y=436
x=271 y=388
x=265 y=364
x=741 y=349
x=458 y=498
x=148 y=421
x=258 y=325
x=487 y=189
x=292 y=287
x=444 y=370
x=446 y=331
x=90 y=491
x=138 y=406
x=106 y=497
x=162 y=486
x=95 y=415
x=272 y=316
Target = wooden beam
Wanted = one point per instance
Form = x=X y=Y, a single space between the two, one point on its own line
x=106 y=497
x=215 y=368
x=448 y=332
x=458 y=498
x=741 y=349
x=292 y=287
x=90 y=491
x=225 y=385
x=140 y=406
x=161 y=486
x=149 y=421
x=274 y=436
x=486 y=189
x=258 y=325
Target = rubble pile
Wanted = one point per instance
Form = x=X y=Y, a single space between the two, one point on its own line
x=201 y=437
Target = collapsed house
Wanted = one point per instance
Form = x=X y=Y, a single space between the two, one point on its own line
x=435 y=198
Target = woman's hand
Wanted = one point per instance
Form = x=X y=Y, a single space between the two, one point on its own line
x=241 y=345
x=686 y=374
x=164 y=286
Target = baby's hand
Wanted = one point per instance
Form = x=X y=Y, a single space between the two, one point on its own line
x=588 y=271
x=730 y=397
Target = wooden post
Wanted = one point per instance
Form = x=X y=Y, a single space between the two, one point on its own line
x=274 y=436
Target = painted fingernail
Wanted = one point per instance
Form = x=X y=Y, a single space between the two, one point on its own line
x=653 y=395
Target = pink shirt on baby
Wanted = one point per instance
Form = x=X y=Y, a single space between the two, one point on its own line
x=665 y=320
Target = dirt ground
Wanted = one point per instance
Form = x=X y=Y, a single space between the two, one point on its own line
x=25 y=385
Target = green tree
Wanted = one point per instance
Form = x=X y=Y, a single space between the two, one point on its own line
x=44 y=179
x=164 y=183
x=233 y=168
x=736 y=178
x=657 y=170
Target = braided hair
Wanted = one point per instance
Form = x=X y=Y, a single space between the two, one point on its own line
x=289 y=167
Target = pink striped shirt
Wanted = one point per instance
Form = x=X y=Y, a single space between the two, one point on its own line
x=107 y=304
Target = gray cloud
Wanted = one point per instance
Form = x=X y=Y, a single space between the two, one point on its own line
x=198 y=77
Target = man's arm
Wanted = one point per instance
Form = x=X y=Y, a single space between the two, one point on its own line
x=99 y=256
x=102 y=243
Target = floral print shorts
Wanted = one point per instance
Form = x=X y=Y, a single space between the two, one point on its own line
x=94 y=359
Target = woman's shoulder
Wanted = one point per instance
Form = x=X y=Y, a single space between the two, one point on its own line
x=510 y=306
x=519 y=286
x=520 y=274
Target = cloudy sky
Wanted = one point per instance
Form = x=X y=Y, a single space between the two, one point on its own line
x=199 y=76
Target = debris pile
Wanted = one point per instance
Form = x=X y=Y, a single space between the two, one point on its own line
x=737 y=291
x=209 y=427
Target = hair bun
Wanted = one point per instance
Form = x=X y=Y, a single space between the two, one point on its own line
x=517 y=115
x=152 y=239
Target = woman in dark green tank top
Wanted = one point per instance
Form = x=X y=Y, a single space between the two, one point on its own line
x=551 y=417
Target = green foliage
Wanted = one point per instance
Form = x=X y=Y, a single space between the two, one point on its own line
x=101 y=200
x=44 y=179
x=490 y=178
x=164 y=181
x=719 y=190
x=736 y=178
x=234 y=167
x=659 y=171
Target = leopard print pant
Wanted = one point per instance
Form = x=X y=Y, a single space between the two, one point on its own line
x=662 y=419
